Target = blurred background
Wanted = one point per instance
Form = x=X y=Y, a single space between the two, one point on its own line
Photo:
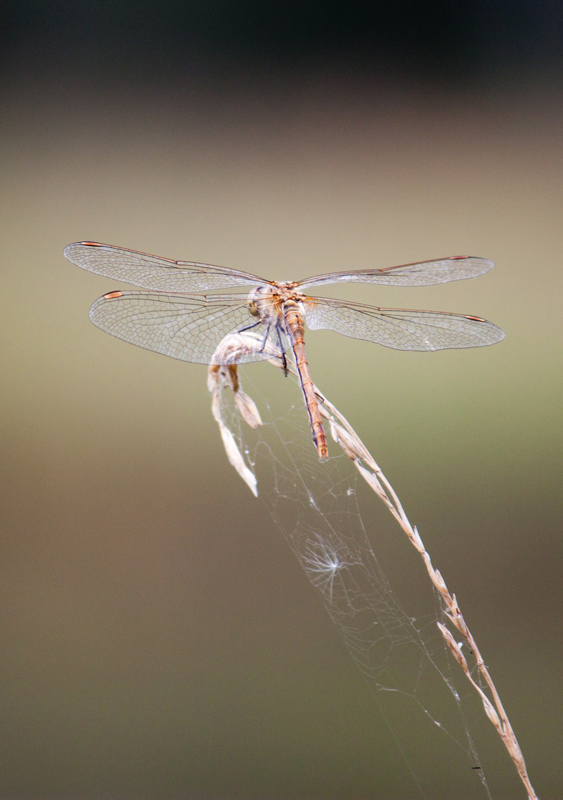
x=158 y=638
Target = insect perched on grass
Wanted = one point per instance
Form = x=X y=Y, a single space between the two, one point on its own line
x=176 y=318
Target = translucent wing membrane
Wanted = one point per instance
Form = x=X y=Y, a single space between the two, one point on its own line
x=187 y=328
x=424 y=273
x=191 y=328
x=154 y=272
x=399 y=328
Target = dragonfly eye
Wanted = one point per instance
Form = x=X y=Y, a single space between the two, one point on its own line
x=253 y=308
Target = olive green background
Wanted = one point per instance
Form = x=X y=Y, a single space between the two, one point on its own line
x=158 y=638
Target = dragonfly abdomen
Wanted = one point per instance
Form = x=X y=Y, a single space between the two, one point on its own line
x=296 y=334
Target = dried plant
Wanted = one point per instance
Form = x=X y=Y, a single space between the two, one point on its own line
x=324 y=564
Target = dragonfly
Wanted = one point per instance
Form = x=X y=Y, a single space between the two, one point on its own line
x=175 y=316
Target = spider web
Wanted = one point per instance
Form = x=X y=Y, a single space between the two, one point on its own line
x=357 y=570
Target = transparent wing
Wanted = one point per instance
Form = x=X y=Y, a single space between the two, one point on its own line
x=154 y=272
x=187 y=328
x=423 y=273
x=400 y=328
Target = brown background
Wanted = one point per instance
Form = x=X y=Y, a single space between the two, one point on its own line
x=158 y=639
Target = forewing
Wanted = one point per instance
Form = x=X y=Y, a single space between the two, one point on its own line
x=154 y=272
x=399 y=328
x=187 y=328
x=423 y=273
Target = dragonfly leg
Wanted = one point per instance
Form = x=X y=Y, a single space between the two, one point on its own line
x=249 y=328
x=282 y=351
x=253 y=325
x=265 y=341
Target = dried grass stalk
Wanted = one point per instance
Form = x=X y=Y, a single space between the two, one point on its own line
x=351 y=444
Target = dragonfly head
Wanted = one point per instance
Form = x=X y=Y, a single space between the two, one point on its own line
x=259 y=298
